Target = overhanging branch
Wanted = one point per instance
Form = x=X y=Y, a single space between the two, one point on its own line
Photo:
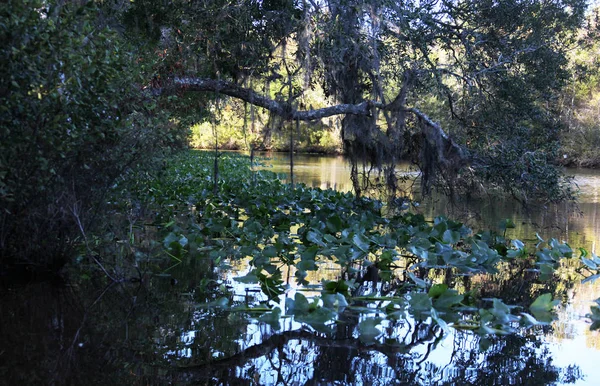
x=447 y=149
x=229 y=89
x=281 y=108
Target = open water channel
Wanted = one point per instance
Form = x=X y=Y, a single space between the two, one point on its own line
x=155 y=333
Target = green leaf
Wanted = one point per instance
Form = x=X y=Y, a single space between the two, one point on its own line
x=340 y=286
x=298 y=306
x=542 y=308
x=500 y=312
x=484 y=344
x=591 y=279
x=419 y=302
x=248 y=279
x=546 y=272
x=589 y=263
x=437 y=289
x=306 y=265
x=309 y=253
x=329 y=238
x=315 y=238
x=368 y=330
x=448 y=299
x=272 y=318
x=169 y=239
x=334 y=224
x=506 y=224
x=518 y=244
x=419 y=282
x=269 y=251
x=334 y=301
x=361 y=242
x=544 y=302
x=451 y=237
x=319 y=319
x=528 y=320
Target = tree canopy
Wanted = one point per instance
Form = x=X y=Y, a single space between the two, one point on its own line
x=488 y=72
x=470 y=91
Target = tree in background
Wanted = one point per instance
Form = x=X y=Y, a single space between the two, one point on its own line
x=580 y=102
x=489 y=72
x=73 y=118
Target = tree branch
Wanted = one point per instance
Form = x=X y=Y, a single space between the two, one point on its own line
x=434 y=133
x=280 y=108
x=447 y=149
x=281 y=339
x=230 y=89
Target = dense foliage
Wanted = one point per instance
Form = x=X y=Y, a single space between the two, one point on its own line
x=580 y=102
x=386 y=268
x=74 y=116
x=95 y=93
x=71 y=121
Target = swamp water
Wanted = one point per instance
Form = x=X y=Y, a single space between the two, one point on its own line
x=167 y=329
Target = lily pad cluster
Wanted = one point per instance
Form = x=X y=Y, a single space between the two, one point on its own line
x=390 y=267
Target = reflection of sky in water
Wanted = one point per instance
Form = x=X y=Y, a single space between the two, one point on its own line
x=431 y=363
x=572 y=340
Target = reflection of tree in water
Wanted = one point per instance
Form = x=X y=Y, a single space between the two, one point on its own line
x=90 y=332
x=132 y=333
x=46 y=340
x=514 y=360
x=127 y=344
x=304 y=358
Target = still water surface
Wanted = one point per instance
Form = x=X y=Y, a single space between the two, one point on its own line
x=580 y=227
x=157 y=332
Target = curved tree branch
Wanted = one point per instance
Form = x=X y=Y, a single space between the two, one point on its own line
x=447 y=149
x=281 y=339
x=230 y=89
x=280 y=108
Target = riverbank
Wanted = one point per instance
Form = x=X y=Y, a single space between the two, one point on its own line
x=314 y=149
x=591 y=161
x=308 y=137
x=568 y=160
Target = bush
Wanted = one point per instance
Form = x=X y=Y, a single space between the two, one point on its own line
x=71 y=121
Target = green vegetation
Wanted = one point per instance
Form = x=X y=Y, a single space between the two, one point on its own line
x=71 y=121
x=490 y=72
x=386 y=268
x=580 y=103
x=232 y=132
x=99 y=99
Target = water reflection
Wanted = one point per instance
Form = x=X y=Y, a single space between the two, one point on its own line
x=294 y=358
x=578 y=226
x=570 y=340
x=122 y=334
